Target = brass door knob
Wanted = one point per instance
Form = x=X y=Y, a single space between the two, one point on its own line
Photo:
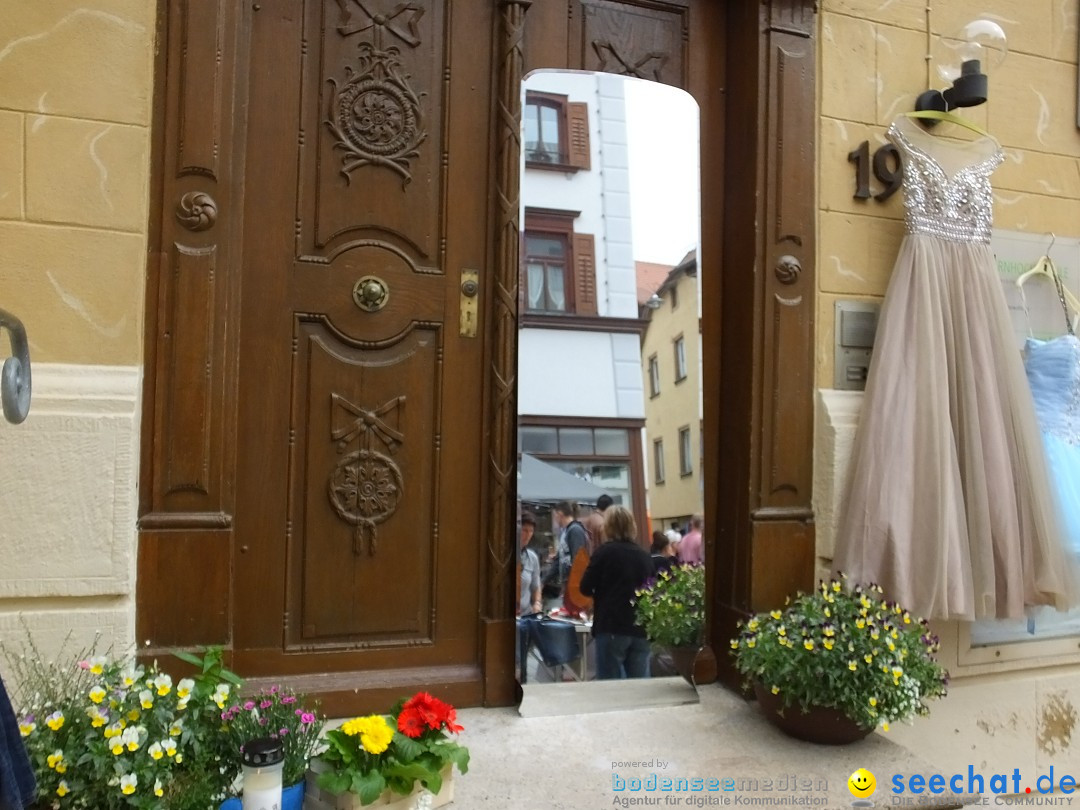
x=370 y=293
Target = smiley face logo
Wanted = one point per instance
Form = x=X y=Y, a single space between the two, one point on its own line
x=862 y=783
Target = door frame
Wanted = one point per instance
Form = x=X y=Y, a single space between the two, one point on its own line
x=758 y=230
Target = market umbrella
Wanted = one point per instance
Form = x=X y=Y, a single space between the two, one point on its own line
x=539 y=482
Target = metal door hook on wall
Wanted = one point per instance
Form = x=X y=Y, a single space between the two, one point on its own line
x=15 y=378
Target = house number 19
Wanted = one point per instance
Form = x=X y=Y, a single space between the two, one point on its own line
x=888 y=170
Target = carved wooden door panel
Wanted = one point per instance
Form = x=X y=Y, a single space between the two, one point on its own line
x=359 y=458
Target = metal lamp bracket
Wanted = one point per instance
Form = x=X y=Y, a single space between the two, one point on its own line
x=15 y=377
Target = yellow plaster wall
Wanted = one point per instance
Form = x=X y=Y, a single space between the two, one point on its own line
x=1001 y=713
x=873 y=65
x=76 y=88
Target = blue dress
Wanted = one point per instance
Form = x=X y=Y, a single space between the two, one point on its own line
x=1053 y=370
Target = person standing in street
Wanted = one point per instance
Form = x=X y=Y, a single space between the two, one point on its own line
x=616 y=571
x=690 y=547
x=594 y=523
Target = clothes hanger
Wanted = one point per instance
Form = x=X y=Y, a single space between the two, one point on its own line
x=1045 y=268
x=951 y=118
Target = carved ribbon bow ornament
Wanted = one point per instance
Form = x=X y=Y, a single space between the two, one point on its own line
x=15 y=377
x=406 y=29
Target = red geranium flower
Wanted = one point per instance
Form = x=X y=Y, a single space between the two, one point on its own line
x=451 y=721
x=410 y=723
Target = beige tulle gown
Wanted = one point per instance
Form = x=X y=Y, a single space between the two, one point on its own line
x=948 y=505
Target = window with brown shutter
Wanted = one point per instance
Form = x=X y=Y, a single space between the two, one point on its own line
x=584 y=274
x=555 y=132
x=577 y=125
x=558 y=265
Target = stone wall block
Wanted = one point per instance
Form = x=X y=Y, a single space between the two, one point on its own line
x=902 y=13
x=11 y=165
x=857 y=253
x=78 y=291
x=76 y=58
x=87 y=173
x=76 y=536
x=1033 y=105
x=849 y=86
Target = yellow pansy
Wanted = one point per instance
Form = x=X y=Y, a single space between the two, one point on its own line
x=62 y=789
x=134 y=715
x=183 y=689
x=781 y=630
x=776 y=614
x=146 y=699
x=168 y=745
x=159 y=791
x=55 y=721
x=852 y=665
x=155 y=751
x=26 y=728
x=97 y=694
x=97 y=664
x=127 y=783
x=776 y=690
x=808 y=644
x=868 y=658
x=828 y=644
x=873 y=701
x=55 y=758
x=163 y=683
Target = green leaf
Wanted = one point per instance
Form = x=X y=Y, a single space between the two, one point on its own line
x=368 y=786
x=188 y=658
x=459 y=755
x=336 y=783
x=408 y=749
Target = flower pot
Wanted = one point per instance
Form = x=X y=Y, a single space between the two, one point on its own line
x=824 y=726
x=420 y=799
x=292 y=798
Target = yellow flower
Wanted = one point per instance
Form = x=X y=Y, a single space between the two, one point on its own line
x=852 y=665
x=55 y=721
x=61 y=767
x=155 y=751
x=179 y=758
x=751 y=643
x=146 y=699
x=176 y=728
x=828 y=613
x=907 y=617
x=183 y=689
x=873 y=701
x=776 y=690
x=808 y=644
x=97 y=694
x=860 y=623
x=97 y=664
x=897 y=672
x=734 y=644
x=27 y=728
x=781 y=630
x=55 y=758
x=62 y=789
x=752 y=625
x=117 y=747
x=868 y=658
x=97 y=717
x=828 y=643
x=884 y=726
x=158 y=790
x=163 y=683
x=127 y=783
x=168 y=745
x=829 y=631
x=376 y=738
x=836 y=587
x=776 y=614
x=133 y=715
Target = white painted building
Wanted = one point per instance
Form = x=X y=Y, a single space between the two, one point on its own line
x=580 y=391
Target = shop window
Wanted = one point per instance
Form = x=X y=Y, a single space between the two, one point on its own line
x=538 y=440
x=658 y=460
x=686 y=459
x=559 y=265
x=654 y=376
x=611 y=442
x=576 y=441
x=556 y=132
x=680 y=359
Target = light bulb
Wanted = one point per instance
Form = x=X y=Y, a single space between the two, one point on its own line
x=979 y=41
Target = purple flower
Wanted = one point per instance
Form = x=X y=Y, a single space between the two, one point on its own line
x=288 y=699
x=226 y=716
x=298 y=712
x=307 y=718
x=262 y=721
x=249 y=705
x=274 y=689
x=266 y=704
x=283 y=731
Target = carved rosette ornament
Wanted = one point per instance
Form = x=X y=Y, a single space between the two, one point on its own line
x=196 y=211
x=787 y=269
x=375 y=115
x=366 y=486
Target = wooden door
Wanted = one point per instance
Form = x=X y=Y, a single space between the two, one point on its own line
x=358 y=471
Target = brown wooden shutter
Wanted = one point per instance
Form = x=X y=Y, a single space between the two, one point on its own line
x=577 y=127
x=584 y=274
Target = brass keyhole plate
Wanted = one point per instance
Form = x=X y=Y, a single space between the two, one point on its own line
x=370 y=293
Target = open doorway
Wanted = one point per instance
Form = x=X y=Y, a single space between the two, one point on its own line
x=609 y=402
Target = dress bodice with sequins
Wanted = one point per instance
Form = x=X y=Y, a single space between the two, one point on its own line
x=1053 y=370
x=957 y=207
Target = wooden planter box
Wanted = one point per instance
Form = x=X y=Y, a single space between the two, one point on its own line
x=315 y=798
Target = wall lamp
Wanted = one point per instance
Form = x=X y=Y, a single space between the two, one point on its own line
x=978 y=47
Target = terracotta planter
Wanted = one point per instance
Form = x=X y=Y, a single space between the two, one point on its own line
x=315 y=798
x=818 y=725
